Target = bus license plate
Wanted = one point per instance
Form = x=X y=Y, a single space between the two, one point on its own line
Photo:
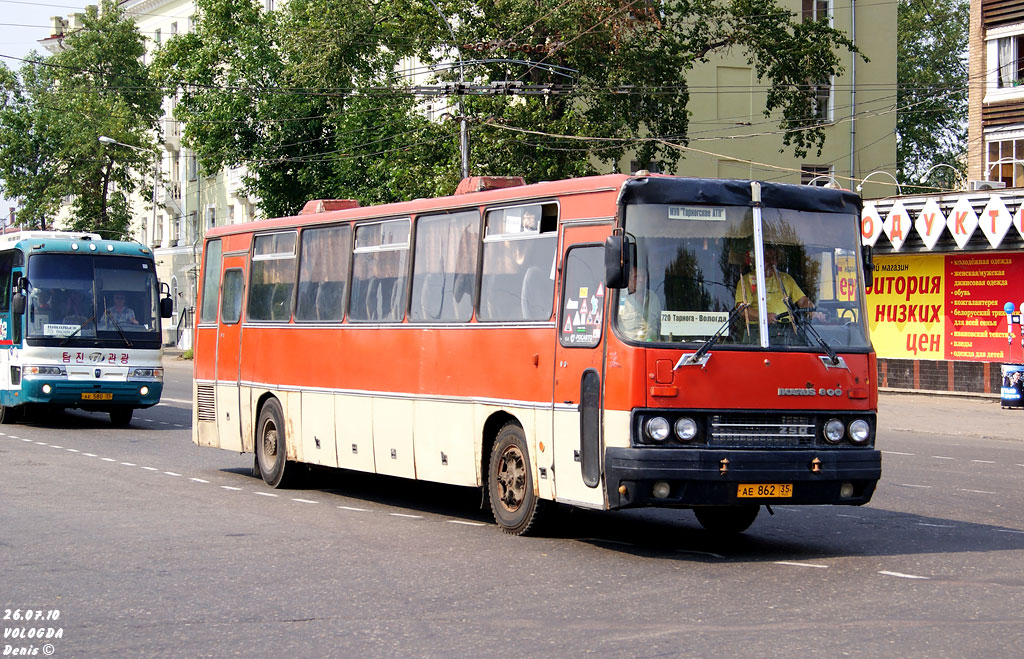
x=97 y=396
x=765 y=491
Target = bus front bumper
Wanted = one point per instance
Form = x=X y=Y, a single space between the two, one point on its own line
x=90 y=395
x=712 y=477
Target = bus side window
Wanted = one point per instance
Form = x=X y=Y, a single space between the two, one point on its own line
x=231 y=299
x=323 y=273
x=444 y=269
x=517 y=281
x=272 y=277
x=211 y=282
x=380 y=271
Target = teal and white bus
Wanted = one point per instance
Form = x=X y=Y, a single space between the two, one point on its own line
x=79 y=324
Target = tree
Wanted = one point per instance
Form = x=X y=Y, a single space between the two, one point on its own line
x=931 y=68
x=53 y=112
x=313 y=98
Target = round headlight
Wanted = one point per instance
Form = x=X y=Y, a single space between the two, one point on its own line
x=657 y=428
x=47 y=389
x=860 y=430
x=143 y=391
x=834 y=430
x=686 y=429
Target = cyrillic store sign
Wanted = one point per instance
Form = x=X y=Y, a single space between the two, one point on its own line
x=928 y=217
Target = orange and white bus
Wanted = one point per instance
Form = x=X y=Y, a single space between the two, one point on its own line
x=594 y=342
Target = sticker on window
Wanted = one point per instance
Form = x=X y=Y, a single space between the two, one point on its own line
x=705 y=213
x=692 y=323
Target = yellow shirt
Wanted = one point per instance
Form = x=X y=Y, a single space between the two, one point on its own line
x=746 y=291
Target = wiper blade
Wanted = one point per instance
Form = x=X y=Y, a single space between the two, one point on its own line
x=117 y=326
x=695 y=358
x=800 y=317
x=80 y=328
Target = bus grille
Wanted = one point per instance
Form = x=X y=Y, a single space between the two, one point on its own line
x=761 y=430
x=206 y=408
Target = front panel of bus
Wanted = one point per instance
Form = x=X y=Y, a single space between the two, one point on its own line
x=731 y=394
x=91 y=327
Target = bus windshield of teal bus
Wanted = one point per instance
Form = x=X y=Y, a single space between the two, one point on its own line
x=696 y=273
x=94 y=300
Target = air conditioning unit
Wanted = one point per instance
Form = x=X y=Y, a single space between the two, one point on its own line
x=986 y=185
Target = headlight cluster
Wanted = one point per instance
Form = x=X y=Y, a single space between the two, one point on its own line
x=147 y=373
x=658 y=429
x=857 y=431
x=53 y=371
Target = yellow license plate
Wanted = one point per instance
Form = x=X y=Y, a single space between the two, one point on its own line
x=97 y=396
x=765 y=491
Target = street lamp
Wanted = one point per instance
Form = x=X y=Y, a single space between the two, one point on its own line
x=860 y=186
x=959 y=175
x=832 y=183
x=156 y=167
x=1003 y=161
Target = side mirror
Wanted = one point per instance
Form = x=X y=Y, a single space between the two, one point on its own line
x=869 y=267
x=18 y=303
x=617 y=261
x=166 y=307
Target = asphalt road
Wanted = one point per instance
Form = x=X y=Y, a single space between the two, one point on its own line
x=145 y=545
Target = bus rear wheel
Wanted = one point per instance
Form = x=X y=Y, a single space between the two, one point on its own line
x=726 y=519
x=271 y=446
x=515 y=505
x=121 y=416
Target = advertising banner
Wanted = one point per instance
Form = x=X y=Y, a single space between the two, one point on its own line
x=946 y=306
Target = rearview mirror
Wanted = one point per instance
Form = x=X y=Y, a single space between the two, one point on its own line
x=617 y=261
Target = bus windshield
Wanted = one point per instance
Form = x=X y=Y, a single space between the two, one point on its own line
x=93 y=300
x=695 y=264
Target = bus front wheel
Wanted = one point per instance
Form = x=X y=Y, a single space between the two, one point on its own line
x=121 y=416
x=271 y=446
x=9 y=414
x=726 y=519
x=515 y=505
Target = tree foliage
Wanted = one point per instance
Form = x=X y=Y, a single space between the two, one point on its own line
x=931 y=124
x=52 y=112
x=315 y=101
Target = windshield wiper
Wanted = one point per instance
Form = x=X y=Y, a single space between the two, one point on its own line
x=695 y=358
x=800 y=317
x=117 y=326
x=80 y=328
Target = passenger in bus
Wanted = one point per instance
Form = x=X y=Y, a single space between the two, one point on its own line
x=778 y=286
x=77 y=308
x=530 y=220
x=640 y=309
x=118 y=313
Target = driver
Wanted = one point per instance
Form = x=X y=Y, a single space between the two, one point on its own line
x=778 y=285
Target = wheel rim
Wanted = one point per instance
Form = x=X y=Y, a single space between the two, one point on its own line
x=511 y=478
x=268 y=447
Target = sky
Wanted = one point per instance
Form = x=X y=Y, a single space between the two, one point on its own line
x=22 y=24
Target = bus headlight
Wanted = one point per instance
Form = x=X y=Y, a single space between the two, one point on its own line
x=55 y=370
x=143 y=391
x=834 y=430
x=686 y=429
x=657 y=428
x=148 y=373
x=859 y=431
x=47 y=389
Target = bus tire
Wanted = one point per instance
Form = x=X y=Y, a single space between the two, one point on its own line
x=121 y=416
x=516 y=507
x=272 y=446
x=726 y=520
x=9 y=414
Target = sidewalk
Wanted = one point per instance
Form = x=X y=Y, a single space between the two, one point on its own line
x=968 y=417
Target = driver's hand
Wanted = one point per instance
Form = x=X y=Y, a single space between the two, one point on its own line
x=771 y=318
x=818 y=316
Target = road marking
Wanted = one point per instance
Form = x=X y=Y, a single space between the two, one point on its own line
x=175 y=400
x=1009 y=531
x=358 y=510
x=985 y=462
x=108 y=459
x=978 y=491
x=937 y=526
x=164 y=423
x=896 y=453
x=55 y=446
x=305 y=501
x=171 y=473
x=22 y=439
x=73 y=450
x=198 y=480
x=91 y=455
x=228 y=487
x=850 y=516
x=923 y=487
x=128 y=464
x=902 y=576
x=464 y=523
x=404 y=515
x=265 y=494
x=799 y=564
x=42 y=443
x=151 y=469
x=943 y=457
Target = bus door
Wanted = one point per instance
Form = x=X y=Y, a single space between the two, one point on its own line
x=10 y=327
x=232 y=288
x=576 y=432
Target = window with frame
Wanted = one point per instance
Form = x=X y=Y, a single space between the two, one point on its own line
x=380 y=271
x=583 y=296
x=231 y=296
x=819 y=175
x=1009 y=53
x=816 y=10
x=272 y=277
x=1004 y=161
x=323 y=273
x=518 y=277
x=444 y=267
x=211 y=281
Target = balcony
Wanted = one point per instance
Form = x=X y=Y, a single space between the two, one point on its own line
x=170 y=129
